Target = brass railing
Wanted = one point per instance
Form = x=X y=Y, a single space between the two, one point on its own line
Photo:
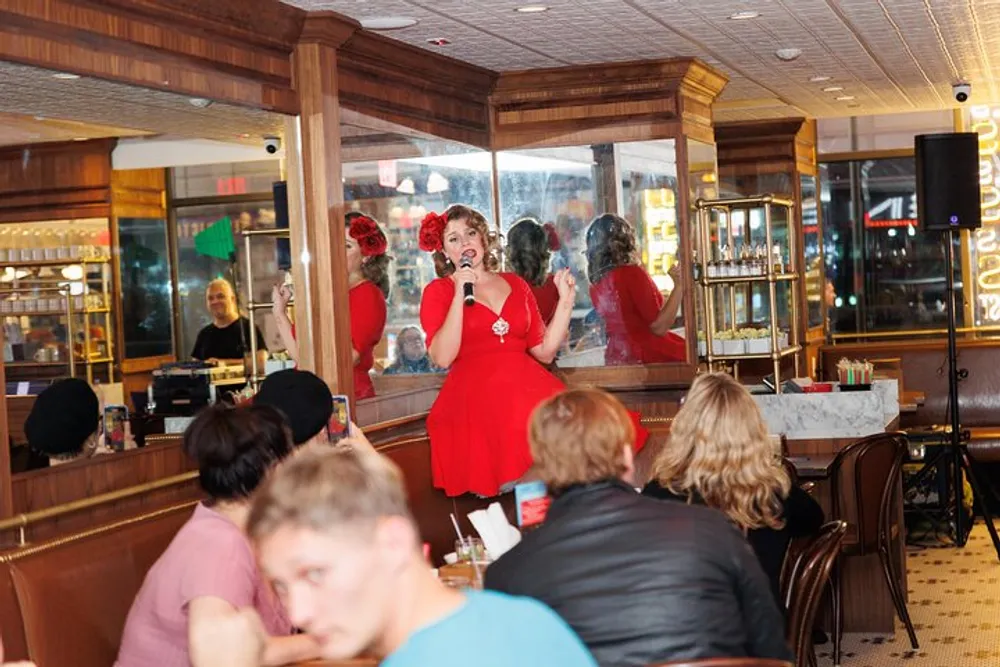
x=23 y=520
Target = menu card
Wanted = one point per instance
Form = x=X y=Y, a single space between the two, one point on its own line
x=532 y=501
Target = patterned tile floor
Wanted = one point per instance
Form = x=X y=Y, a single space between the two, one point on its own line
x=955 y=606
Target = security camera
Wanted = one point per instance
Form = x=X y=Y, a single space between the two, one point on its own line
x=272 y=145
x=961 y=91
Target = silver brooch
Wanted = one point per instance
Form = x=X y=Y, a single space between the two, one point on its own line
x=501 y=328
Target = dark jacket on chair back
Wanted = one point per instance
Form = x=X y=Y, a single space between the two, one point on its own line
x=643 y=581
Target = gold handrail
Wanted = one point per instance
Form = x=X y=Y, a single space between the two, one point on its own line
x=22 y=521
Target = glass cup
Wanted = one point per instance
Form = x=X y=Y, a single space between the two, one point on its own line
x=470 y=550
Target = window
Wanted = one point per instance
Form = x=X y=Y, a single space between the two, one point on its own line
x=147 y=311
x=887 y=273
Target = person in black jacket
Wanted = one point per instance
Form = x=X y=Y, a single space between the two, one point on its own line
x=641 y=581
x=719 y=454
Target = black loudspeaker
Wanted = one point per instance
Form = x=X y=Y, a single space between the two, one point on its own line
x=284 y=246
x=948 y=181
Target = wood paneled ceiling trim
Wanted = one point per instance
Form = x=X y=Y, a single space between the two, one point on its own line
x=219 y=50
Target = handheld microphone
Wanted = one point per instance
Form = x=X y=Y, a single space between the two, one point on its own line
x=466 y=263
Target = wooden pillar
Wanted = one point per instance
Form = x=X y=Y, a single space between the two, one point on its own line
x=6 y=493
x=316 y=205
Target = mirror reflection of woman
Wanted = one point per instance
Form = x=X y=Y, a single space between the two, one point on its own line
x=368 y=281
x=637 y=318
x=530 y=245
x=478 y=424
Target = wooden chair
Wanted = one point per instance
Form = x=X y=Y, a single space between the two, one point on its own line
x=804 y=578
x=876 y=464
x=727 y=662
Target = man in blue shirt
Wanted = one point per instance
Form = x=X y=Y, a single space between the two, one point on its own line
x=335 y=536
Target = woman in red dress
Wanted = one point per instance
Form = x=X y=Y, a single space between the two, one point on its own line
x=479 y=443
x=637 y=319
x=529 y=249
x=368 y=279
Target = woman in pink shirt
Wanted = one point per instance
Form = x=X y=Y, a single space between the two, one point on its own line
x=209 y=569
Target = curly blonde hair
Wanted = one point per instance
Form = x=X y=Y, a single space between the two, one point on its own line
x=719 y=450
x=473 y=218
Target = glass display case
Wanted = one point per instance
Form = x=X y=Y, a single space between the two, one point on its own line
x=56 y=299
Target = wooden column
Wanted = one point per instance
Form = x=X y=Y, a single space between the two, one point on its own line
x=6 y=492
x=316 y=205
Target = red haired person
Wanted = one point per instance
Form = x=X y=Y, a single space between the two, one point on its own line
x=478 y=425
x=368 y=280
x=530 y=245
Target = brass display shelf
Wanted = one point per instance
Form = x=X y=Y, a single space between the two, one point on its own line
x=54 y=313
x=728 y=280
x=719 y=293
x=792 y=349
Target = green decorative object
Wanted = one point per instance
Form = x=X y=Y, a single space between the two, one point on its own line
x=216 y=240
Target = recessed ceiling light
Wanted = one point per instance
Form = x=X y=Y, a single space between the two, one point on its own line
x=744 y=15
x=439 y=41
x=388 y=22
x=79 y=138
x=845 y=98
x=65 y=76
x=200 y=102
x=788 y=54
x=819 y=78
x=832 y=89
x=245 y=135
x=532 y=9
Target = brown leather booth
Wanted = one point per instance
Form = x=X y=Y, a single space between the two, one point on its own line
x=924 y=367
x=65 y=602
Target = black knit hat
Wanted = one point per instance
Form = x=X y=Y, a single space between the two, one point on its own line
x=63 y=417
x=303 y=398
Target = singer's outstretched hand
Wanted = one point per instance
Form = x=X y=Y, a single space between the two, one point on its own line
x=565 y=285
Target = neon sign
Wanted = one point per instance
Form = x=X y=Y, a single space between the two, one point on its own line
x=987 y=239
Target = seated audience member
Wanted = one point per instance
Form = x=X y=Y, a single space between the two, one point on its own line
x=719 y=455
x=334 y=533
x=411 y=354
x=13 y=664
x=209 y=571
x=63 y=423
x=303 y=399
x=641 y=581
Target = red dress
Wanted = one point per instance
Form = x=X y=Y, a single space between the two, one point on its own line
x=478 y=425
x=547 y=296
x=628 y=301
x=367 y=305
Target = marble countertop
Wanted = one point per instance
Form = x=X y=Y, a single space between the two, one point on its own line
x=831 y=415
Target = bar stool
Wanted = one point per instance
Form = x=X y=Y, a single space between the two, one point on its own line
x=876 y=464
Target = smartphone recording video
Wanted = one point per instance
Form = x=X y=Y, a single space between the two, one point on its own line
x=340 y=421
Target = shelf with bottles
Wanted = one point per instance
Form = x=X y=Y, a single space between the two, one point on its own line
x=55 y=242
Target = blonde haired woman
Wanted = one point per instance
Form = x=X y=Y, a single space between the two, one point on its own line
x=719 y=454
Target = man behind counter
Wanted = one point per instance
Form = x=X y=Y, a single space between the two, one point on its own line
x=222 y=342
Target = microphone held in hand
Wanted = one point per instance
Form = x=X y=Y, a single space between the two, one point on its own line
x=466 y=263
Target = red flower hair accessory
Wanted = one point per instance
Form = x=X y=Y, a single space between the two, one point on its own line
x=554 y=243
x=432 y=232
x=370 y=238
